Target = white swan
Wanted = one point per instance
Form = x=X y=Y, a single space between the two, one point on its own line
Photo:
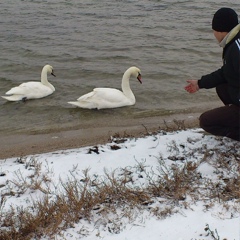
x=109 y=97
x=32 y=90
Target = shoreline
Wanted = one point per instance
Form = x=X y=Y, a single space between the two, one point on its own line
x=23 y=144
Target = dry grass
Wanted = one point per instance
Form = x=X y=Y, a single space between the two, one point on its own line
x=108 y=199
x=173 y=182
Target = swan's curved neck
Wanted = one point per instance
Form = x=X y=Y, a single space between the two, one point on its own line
x=44 y=79
x=126 y=86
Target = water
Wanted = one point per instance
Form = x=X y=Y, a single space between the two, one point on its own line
x=91 y=43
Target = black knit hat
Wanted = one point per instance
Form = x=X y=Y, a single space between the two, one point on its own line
x=224 y=20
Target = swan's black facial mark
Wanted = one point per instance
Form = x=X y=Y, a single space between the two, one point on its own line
x=52 y=73
x=139 y=77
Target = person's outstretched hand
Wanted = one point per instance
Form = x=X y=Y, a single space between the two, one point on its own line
x=192 y=87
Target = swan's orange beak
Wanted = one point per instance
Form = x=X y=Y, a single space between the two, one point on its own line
x=139 y=77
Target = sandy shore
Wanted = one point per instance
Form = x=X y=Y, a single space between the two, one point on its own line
x=19 y=145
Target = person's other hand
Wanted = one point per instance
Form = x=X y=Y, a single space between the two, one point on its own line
x=192 y=87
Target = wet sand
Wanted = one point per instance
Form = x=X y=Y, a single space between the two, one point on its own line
x=19 y=145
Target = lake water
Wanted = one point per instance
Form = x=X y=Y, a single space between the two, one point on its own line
x=90 y=43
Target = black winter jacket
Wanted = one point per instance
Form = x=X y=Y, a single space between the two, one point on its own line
x=230 y=71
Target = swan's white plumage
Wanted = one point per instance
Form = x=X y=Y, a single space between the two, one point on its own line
x=109 y=97
x=32 y=90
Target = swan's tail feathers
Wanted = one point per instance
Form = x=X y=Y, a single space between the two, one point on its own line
x=13 y=98
x=73 y=103
x=82 y=104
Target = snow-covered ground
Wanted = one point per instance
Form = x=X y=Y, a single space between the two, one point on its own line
x=157 y=152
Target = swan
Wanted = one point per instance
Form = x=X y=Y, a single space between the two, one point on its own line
x=32 y=90
x=101 y=98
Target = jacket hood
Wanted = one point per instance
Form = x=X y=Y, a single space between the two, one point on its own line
x=230 y=36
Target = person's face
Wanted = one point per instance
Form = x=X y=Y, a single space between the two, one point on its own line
x=219 y=35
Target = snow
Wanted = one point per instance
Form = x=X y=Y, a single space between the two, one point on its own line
x=168 y=148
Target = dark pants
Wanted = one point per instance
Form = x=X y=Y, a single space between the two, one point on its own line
x=222 y=121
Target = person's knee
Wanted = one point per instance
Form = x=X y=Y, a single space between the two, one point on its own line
x=203 y=120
